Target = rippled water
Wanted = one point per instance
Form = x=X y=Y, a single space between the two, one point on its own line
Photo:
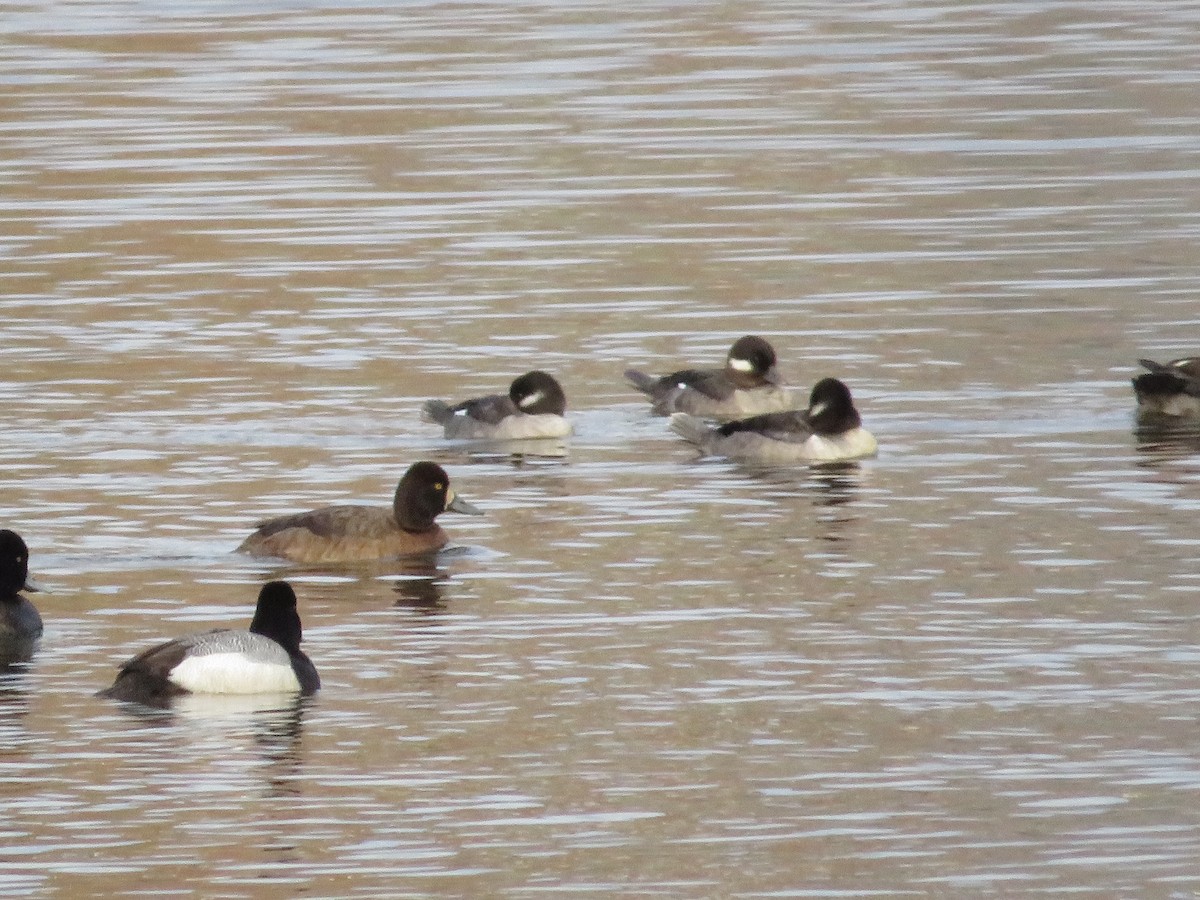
x=241 y=248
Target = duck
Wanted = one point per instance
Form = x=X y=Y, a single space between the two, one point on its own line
x=533 y=408
x=338 y=534
x=749 y=385
x=265 y=659
x=1168 y=392
x=19 y=619
x=829 y=430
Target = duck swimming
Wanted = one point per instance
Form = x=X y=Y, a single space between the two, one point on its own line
x=19 y=619
x=266 y=659
x=829 y=430
x=532 y=408
x=1168 y=392
x=350 y=533
x=749 y=384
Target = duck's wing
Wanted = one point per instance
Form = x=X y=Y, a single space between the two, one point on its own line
x=490 y=410
x=715 y=385
x=332 y=522
x=1181 y=375
x=790 y=427
x=146 y=677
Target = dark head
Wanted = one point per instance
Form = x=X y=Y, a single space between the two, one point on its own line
x=14 y=563
x=424 y=494
x=751 y=362
x=830 y=408
x=538 y=393
x=276 y=616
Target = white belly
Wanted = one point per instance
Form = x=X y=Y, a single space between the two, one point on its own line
x=233 y=673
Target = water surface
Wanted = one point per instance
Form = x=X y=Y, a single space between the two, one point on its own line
x=240 y=249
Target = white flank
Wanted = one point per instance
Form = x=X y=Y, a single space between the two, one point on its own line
x=741 y=365
x=233 y=673
x=532 y=400
x=853 y=444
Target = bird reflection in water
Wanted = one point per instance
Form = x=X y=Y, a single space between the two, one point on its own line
x=16 y=651
x=832 y=488
x=14 y=698
x=273 y=722
x=518 y=454
x=418 y=586
x=1172 y=452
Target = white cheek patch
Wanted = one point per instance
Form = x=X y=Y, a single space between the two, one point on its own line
x=817 y=408
x=233 y=673
x=532 y=400
x=741 y=365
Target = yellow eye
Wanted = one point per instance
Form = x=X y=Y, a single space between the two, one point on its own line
x=438 y=486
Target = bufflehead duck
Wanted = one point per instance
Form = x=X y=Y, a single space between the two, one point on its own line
x=830 y=430
x=748 y=385
x=266 y=659
x=335 y=534
x=533 y=408
x=1168 y=392
x=20 y=619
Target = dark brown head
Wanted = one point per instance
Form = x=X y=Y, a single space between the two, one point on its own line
x=831 y=408
x=538 y=393
x=423 y=494
x=751 y=363
x=14 y=563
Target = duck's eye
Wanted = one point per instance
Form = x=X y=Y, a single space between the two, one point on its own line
x=438 y=486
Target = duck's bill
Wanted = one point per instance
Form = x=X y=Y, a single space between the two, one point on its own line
x=459 y=505
x=33 y=586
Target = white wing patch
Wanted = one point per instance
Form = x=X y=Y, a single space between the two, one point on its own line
x=741 y=365
x=233 y=673
x=532 y=400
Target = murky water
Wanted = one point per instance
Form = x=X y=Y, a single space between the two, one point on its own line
x=241 y=248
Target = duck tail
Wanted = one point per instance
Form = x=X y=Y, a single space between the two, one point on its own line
x=437 y=411
x=691 y=429
x=640 y=380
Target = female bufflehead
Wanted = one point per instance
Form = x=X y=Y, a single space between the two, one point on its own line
x=334 y=534
x=533 y=408
x=1168 y=392
x=830 y=430
x=748 y=385
x=266 y=659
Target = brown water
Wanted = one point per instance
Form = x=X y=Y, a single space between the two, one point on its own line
x=240 y=249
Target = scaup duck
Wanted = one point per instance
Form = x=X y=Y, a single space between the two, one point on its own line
x=749 y=384
x=20 y=619
x=533 y=408
x=830 y=430
x=1168 y=392
x=266 y=659
x=335 y=534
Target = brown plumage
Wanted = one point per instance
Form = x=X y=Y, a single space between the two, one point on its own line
x=361 y=533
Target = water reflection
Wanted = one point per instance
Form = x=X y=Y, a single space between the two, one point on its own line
x=420 y=588
x=14 y=705
x=1160 y=444
x=16 y=651
x=273 y=723
x=520 y=454
x=243 y=248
